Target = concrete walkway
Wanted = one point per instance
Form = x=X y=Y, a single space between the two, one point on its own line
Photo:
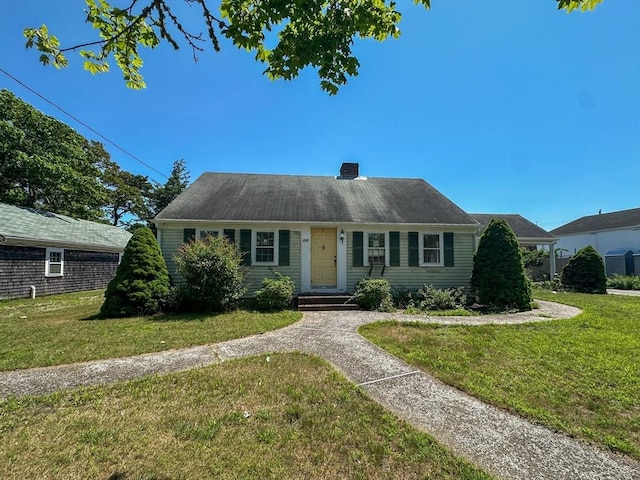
x=629 y=293
x=501 y=443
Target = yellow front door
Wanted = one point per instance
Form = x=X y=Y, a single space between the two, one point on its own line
x=323 y=257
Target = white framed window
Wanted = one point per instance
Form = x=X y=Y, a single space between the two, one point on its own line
x=265 y=247
x=431 y=249
x=376 y=248
x=54 y=262
x=202 y=234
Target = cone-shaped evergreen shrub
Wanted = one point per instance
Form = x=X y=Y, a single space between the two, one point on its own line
x=142 y=280
x=212 y=273
x=585 y=272
x=498 y=279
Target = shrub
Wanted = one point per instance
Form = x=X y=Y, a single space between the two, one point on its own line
x=276 y=293
x=553 y=285
x=212 y=273
x=141 y=283
x=374 y=294
x=498 y=279
x=624 y=282
x=404 y=297
x=533 y=257
x=431 y=298
x=585 y=272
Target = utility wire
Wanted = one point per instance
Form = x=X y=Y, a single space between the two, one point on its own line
x=82 y=123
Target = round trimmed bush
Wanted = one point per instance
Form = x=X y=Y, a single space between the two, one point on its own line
x=213 y=276
x=141 y=283
x=585 y=272
x=498 y=279
x=374 y=294
x=276 y=293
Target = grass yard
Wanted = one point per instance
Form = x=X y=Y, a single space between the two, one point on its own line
x=59 y=329
x=580 y=376
x=302 y=420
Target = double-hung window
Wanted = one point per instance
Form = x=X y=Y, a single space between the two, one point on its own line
x=54 y=262
x=208 y=233
x=264 y=247
x=376 y=252
x=431 y=251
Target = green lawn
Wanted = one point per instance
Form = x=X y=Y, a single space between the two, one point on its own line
x=302 y=420
x=580 y=376
x=59 y=329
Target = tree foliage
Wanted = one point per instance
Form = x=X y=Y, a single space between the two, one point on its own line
x=141 y=283
x=127 y=194
x=585 y=272
x=310 y=33
x=46 y=164
x=533 y=257
x=212 y=274
x=498 y=278
x=163 y=195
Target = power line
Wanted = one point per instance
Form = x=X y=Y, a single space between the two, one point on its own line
x=83 y=124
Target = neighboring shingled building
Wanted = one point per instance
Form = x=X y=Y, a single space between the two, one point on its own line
x=42 y=253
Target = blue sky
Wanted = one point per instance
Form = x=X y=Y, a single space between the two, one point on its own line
x=504 y=106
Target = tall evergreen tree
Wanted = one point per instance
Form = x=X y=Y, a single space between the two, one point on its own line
x=585 y=272
x=498 y=279
x=142 y=280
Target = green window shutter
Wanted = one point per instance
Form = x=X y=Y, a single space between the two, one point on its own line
x=283 y=248
x=358 y=249
x=245 y=245
x=448 y=248
x=230 y=233
x=188 y=235
x=414 y=255
x=394 y=249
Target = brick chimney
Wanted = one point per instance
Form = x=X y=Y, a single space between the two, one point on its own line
x=349 y=171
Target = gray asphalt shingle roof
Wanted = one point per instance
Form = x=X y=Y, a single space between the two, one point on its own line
x=522 y=227
x=22 y=223
x=604 y=221
x=293 y=198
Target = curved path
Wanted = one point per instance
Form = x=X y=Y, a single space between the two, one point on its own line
x=502 y=443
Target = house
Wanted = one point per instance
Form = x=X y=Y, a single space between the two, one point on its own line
x=327 y=232
x=529 y=234
x=43 y=253
x=615 y=236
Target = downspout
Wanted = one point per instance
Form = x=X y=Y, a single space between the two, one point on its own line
x=32 y=288
x=552 y=260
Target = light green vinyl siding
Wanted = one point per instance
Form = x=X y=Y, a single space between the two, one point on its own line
x=255 y=274
x=415 y=277
x=171 y=239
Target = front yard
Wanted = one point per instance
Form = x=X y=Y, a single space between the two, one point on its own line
x=579 y=376
x=60 y=329
x=292 y=417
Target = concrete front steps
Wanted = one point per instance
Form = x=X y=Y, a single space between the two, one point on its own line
x=325 y=302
